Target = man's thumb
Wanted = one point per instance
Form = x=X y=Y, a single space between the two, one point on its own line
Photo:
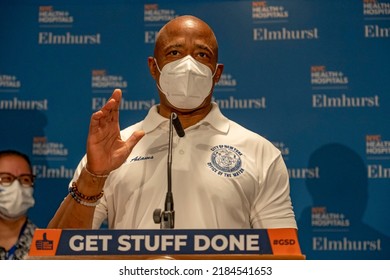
x=135 y=137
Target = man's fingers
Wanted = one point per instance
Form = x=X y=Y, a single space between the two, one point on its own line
x=111 y=108
x=116 y=95
x=109 y=112
x=134 y=139
x=95 y=119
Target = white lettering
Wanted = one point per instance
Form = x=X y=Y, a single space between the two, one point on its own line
x=17 y=104
x=344 y=244
x=42 y=171
x=72 y=243
x=124 y=243
x=91 y=243
x=201 y=243
x=48 y=38
x=377 y=171
x=231 y=242
x=125 y=105
x=375 y=31
x=264 y=34
x=304 y=173
x=343 y=101
x=234 y=103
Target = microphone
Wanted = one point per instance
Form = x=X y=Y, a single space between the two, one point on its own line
x=177 y=124
x=166 y=218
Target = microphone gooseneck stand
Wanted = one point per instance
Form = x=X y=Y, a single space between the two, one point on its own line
x=166 y=218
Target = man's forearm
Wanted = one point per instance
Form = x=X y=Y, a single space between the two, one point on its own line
x=72 y=213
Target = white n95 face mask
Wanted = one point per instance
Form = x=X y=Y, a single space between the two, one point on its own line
x=185 y=82
x=15 y=200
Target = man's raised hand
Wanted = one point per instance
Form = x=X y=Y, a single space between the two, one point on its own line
x=106 y=150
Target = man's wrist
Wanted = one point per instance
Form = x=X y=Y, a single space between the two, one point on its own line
x=90 y=184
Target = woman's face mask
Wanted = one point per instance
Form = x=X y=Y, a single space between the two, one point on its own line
x=185 y=82
x=15 y=200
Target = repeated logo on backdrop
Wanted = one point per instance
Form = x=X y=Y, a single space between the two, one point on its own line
x=9 y=83
x=153 y=13
x=321 y=218
x=322 y=77
x=324 y=221
x=376 y=14
x=10 y=89
x=155 y=17
x=274 y=16
x=376 y=147
x=103 y=83
x=228 y=85
x=261 y=10
x=283 y=76
x=330 y=83
x=106 y=82
x=378 y=154
x=51 y=18
x=43 y=147
x=54 y=152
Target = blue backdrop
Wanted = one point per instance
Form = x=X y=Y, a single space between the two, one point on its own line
x=311 y=76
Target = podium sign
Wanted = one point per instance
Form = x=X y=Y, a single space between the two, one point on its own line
x=58 y=242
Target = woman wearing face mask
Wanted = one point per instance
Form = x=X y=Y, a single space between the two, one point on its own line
x=16 y=197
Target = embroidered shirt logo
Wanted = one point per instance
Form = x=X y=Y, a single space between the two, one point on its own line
x=226 y=161
x=139 y=158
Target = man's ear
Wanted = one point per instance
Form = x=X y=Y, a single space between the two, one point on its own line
x=218 y=73
x=152 y=67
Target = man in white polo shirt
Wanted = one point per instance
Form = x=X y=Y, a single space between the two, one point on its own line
x=223 y=175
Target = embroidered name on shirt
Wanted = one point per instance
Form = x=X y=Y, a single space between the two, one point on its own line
x=139 y=158
x=226 y=161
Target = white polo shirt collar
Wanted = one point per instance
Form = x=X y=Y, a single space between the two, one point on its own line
x=215 y=118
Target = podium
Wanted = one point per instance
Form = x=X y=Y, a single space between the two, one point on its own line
x=251 y=244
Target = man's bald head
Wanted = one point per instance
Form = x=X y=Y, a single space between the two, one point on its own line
x=186 y=24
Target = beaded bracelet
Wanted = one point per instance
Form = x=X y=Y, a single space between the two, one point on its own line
x=82 y=202
x=82 y=196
